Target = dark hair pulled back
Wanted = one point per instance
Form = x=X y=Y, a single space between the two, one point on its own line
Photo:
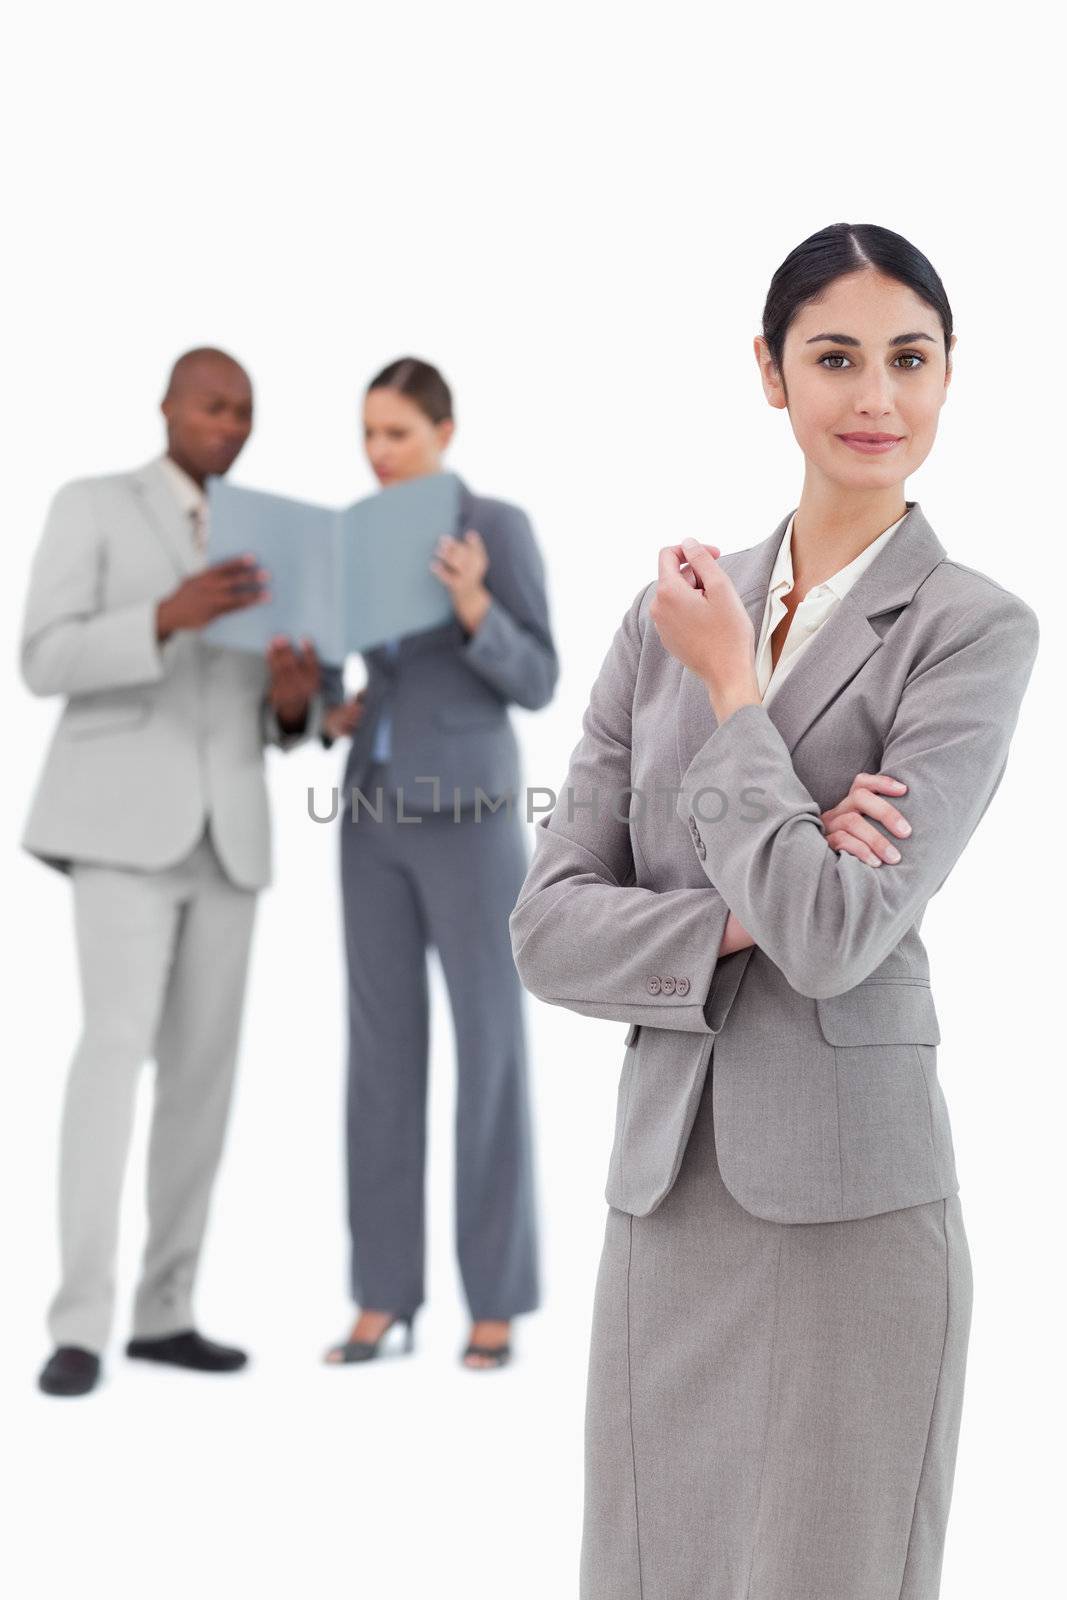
x=420 y=383
x=833 y=253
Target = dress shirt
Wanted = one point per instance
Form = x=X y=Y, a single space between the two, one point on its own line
x=190 y=497
x=817 y=605
x=382 y=748
x=193 y=502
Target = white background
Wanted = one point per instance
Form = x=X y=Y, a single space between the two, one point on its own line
x=576 y=213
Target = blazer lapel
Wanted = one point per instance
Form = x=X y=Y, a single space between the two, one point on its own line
x=842 y=645
x=165 y=516
x=466 y=506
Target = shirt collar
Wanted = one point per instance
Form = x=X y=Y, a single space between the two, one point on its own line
x=187 y=492
x=839 y=582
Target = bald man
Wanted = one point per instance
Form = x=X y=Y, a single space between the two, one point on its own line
x=153 y=799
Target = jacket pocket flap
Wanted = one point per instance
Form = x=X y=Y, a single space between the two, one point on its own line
x=84 y=716
x=883 y=1011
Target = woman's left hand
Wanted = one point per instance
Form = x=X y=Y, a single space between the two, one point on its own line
x=461 y=565
x=700 y=618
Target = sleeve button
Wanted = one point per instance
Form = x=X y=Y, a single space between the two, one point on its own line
x=668 y=985
x=653 y=986
x=681 y=986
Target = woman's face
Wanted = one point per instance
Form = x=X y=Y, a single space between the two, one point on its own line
x=400 y=440
x=868 y=358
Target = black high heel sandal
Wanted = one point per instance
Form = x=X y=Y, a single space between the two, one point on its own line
x=496 y=1355
x=367 y=1349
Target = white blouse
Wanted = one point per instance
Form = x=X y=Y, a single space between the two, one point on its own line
x=819 y=602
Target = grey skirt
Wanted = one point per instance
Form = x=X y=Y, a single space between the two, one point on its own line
x=773 y=1409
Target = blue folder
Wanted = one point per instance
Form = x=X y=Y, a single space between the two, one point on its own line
x=347 y=579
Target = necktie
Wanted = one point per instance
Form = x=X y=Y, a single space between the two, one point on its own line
x=198 y=519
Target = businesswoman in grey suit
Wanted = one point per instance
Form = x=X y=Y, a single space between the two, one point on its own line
x=432 y=725
x=802 y=736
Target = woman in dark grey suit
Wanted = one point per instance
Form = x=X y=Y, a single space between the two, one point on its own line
x=432 y=726
x=783 y=1305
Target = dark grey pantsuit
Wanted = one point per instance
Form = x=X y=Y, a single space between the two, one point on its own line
x=444 y=694
x=406 y=886
x=773 y=1408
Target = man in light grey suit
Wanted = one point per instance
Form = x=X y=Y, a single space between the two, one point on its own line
x=153 y=799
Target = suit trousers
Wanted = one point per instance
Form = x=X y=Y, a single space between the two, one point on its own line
x=773 y=1409
x=163 y=958
x=451 y=885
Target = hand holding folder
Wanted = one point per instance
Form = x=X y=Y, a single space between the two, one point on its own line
x=347 y=579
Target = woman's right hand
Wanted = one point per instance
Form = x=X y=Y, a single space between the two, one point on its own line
x=340 y=722
x=847 y=829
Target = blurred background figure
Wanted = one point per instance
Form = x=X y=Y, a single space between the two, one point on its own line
x=153 y=799
x=435 y=707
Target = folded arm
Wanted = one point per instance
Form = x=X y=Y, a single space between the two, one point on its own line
x=827 y=920
x=583 y=935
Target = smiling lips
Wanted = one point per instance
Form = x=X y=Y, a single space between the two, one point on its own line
x=870 y=444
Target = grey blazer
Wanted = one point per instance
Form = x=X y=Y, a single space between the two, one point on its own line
x=827 y=1104
x=151 y=737
x=448 y=692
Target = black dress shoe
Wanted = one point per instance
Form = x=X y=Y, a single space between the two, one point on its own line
x=69 y=1370
x=188 y=1349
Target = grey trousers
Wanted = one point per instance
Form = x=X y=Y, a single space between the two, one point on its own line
x=451 y=885
x=773 y=1409
x=163 y=959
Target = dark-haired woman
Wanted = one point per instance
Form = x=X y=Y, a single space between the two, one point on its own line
x=435 y=706
x=783 y=1305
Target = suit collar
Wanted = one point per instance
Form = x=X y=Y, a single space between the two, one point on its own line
x=839 y=649
x=188 y=493
x=166 y=516
x=840 y=582
x=890 y=581
x=467 y=510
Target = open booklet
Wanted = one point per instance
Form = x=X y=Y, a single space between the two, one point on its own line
x=346 y=580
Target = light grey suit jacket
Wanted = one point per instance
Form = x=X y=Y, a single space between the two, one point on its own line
x=152 y=737
x=448 y=693
x=827 y=1103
